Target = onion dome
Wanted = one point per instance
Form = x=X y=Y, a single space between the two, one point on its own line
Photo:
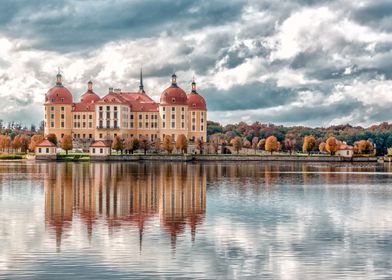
x=59 y=94
x=89 y=96
x=195 y=100
x=174 y=95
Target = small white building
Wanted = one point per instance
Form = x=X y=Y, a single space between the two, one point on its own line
x=100 y=148
x=45 y=150
x=345 y=151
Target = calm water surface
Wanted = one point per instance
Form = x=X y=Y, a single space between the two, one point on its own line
x=207 y=221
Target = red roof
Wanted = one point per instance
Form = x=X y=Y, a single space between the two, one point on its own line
x=100 y=144
x=173 y=95
x=345 y=147
x=138 y=102
x=196 y=102
x=46 y=143
x=89 y=97
x=58 y=95
x=83 y=107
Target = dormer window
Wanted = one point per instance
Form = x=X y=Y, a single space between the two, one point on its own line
x=62 y=99
x=173 y=100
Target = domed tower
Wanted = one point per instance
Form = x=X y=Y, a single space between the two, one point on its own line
x=173 y=111
x=58 y=109
x=89 y=96
x=197 y=115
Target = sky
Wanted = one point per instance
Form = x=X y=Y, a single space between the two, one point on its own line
x=290 y=62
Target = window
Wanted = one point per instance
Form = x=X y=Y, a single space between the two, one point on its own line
x=52 y=116
x=100 y=135
x=173 y=100
x=62 y=135
x=39 y=150
x=93 y=150
x=84 y=125
x=193 y=127
x=115 y=115
x=100 y=108
x=202 y=127
x=173 y=116
x=62 y=99
x=163 y=124
x=173 y=108
x=140 y=125
x=90 y=124
x=62 y=124
x=115 y=108
x=78 y=117
x=101 y=151
x=132 y=117
x=84 y=117
x=140 y=116
x=107 y=124
x=146 y=125
x=115 y=124
x=107 y=108
x=62 y=116
x=90 y=136
x=193 y=113
x=163 y=116
x=182 y=125
x=182 y=109
x=100 y=124
x=173 y=124
x=163 y=109
x=182 y=117
x=202 y=120
x=84 y=135
x=62 y=108
x=47 y=150
x=51 y=124
x=108 y=115
x=90 y=116
x=101 y=115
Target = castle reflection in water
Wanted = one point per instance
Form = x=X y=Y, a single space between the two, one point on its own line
x=125 y=195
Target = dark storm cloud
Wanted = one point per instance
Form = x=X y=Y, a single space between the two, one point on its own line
x=72 y=25
x=250 y=96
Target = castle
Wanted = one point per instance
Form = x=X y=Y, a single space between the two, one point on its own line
x=125 y=114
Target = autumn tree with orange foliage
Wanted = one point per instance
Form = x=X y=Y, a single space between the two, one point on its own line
x=236 y=143
x=5 y=142
x=364 y=147
x=255 y=141
x=35 y=140
x=182 y=143
x=168 y=144
x=145 y=144
x=290 y=141
x=261 y=144
x=117 y=144
x=158 y=145
x=272 y=144
x=21 y=142
x=199 y=145
x=322 y=147
x=66 y=143
x=52 y=138
x=309 y=144
x=332 y=145
x=214 y=143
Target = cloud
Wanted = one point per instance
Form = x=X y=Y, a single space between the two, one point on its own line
x=257 y=59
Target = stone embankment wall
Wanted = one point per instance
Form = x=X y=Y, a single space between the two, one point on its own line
x=241 y=158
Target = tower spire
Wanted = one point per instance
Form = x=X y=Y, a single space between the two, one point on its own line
x=141 y=87
x=193 y=85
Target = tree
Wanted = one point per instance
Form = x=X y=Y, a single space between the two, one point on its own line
x=199 y=145
x=309 y=144
x=322 y=148
x=261 y=144
x=35 y=140
x=66 y=143
x=236 y=143
x=5 y=142
x=214 y=143
x=255 y=141
x=16 y=143
x=331 y=145
x=117 y=144
x=290 y=141
x=52 y=138
x=144 y=144
x=272 y=144
x=246 y=144
x=158 y=145
x=168 y=144
x=364 y=147
x=182 y=143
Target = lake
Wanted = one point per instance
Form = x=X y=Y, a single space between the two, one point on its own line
x=195 y=220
